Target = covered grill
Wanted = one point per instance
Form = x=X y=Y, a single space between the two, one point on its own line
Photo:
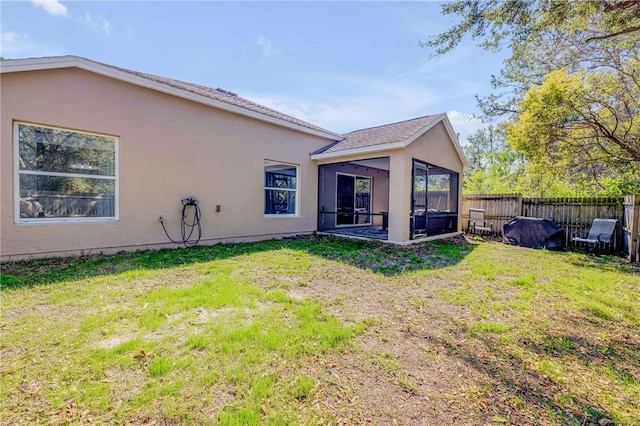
x=534 y=232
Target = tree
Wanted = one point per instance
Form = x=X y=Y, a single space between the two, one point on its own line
x=585 y=123
x=520 y=21
x=494 y=164
x=571 y=88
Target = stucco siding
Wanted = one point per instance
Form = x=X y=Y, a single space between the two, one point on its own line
x=435 y=147
x=168 y=149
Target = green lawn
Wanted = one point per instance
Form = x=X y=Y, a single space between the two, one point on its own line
x=322 y=331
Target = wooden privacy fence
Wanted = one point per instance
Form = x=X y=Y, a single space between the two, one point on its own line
x=499 y=208
x=572 y=214
x=436 y=200
x=632 y=227
x=576 y=214
x=77 y=205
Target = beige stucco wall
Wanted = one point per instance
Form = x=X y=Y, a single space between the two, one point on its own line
x=435 y=147
x=169 y=149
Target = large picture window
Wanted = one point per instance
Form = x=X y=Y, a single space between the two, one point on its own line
x=64 y=174
x=280 y=188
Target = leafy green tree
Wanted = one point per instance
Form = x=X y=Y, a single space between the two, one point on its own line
x=494 y=164
x=571 y=88
x=584 y=123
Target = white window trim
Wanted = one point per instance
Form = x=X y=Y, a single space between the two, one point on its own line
x=297 y=190
x=54 y=220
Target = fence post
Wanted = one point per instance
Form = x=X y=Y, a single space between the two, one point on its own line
x=519 y=203
x=633 y=227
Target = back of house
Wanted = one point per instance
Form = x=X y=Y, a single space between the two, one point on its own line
x=92 y=155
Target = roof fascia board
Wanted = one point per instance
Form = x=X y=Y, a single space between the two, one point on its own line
x=58 y=63
x=454 y=139
x=452 y=135
x=356 y=151
x=403 y=144
x=422 y=131
x=36 y=64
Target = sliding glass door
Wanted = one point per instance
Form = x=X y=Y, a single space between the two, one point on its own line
x=353 y=200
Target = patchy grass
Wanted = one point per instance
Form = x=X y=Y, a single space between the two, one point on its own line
x=322 y=330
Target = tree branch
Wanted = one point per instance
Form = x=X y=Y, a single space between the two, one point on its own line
x=610 y=7
x=617 y=33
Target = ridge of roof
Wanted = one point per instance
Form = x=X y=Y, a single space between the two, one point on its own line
x=399 y=133
x=391 y=124
x=236 y=103
x=388 y=137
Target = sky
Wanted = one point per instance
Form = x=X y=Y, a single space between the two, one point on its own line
x=341 y=65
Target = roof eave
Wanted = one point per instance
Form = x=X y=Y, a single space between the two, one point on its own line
x=452 y=135
x=456 y=142
x=400 y=145
x=37 y=64
x=358 y=151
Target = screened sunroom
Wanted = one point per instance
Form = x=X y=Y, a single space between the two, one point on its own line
x=399 y=182
x=434 y=201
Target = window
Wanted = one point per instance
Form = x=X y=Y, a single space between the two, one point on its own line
x=64 y=174
x=280 y=188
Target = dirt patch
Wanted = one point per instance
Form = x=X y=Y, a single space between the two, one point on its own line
x=419 y=363
x=114 y=341
x=399 y=373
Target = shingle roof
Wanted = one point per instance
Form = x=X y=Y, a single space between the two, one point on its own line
x=226 y=97
x=381 y=135
x=208 y=95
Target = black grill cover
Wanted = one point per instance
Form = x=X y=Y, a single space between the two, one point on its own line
x=534 y=232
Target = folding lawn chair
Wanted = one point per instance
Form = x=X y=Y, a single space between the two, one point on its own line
x=477 y=223
x=601 y=231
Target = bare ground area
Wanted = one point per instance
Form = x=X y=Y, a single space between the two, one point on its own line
x=405 y=372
